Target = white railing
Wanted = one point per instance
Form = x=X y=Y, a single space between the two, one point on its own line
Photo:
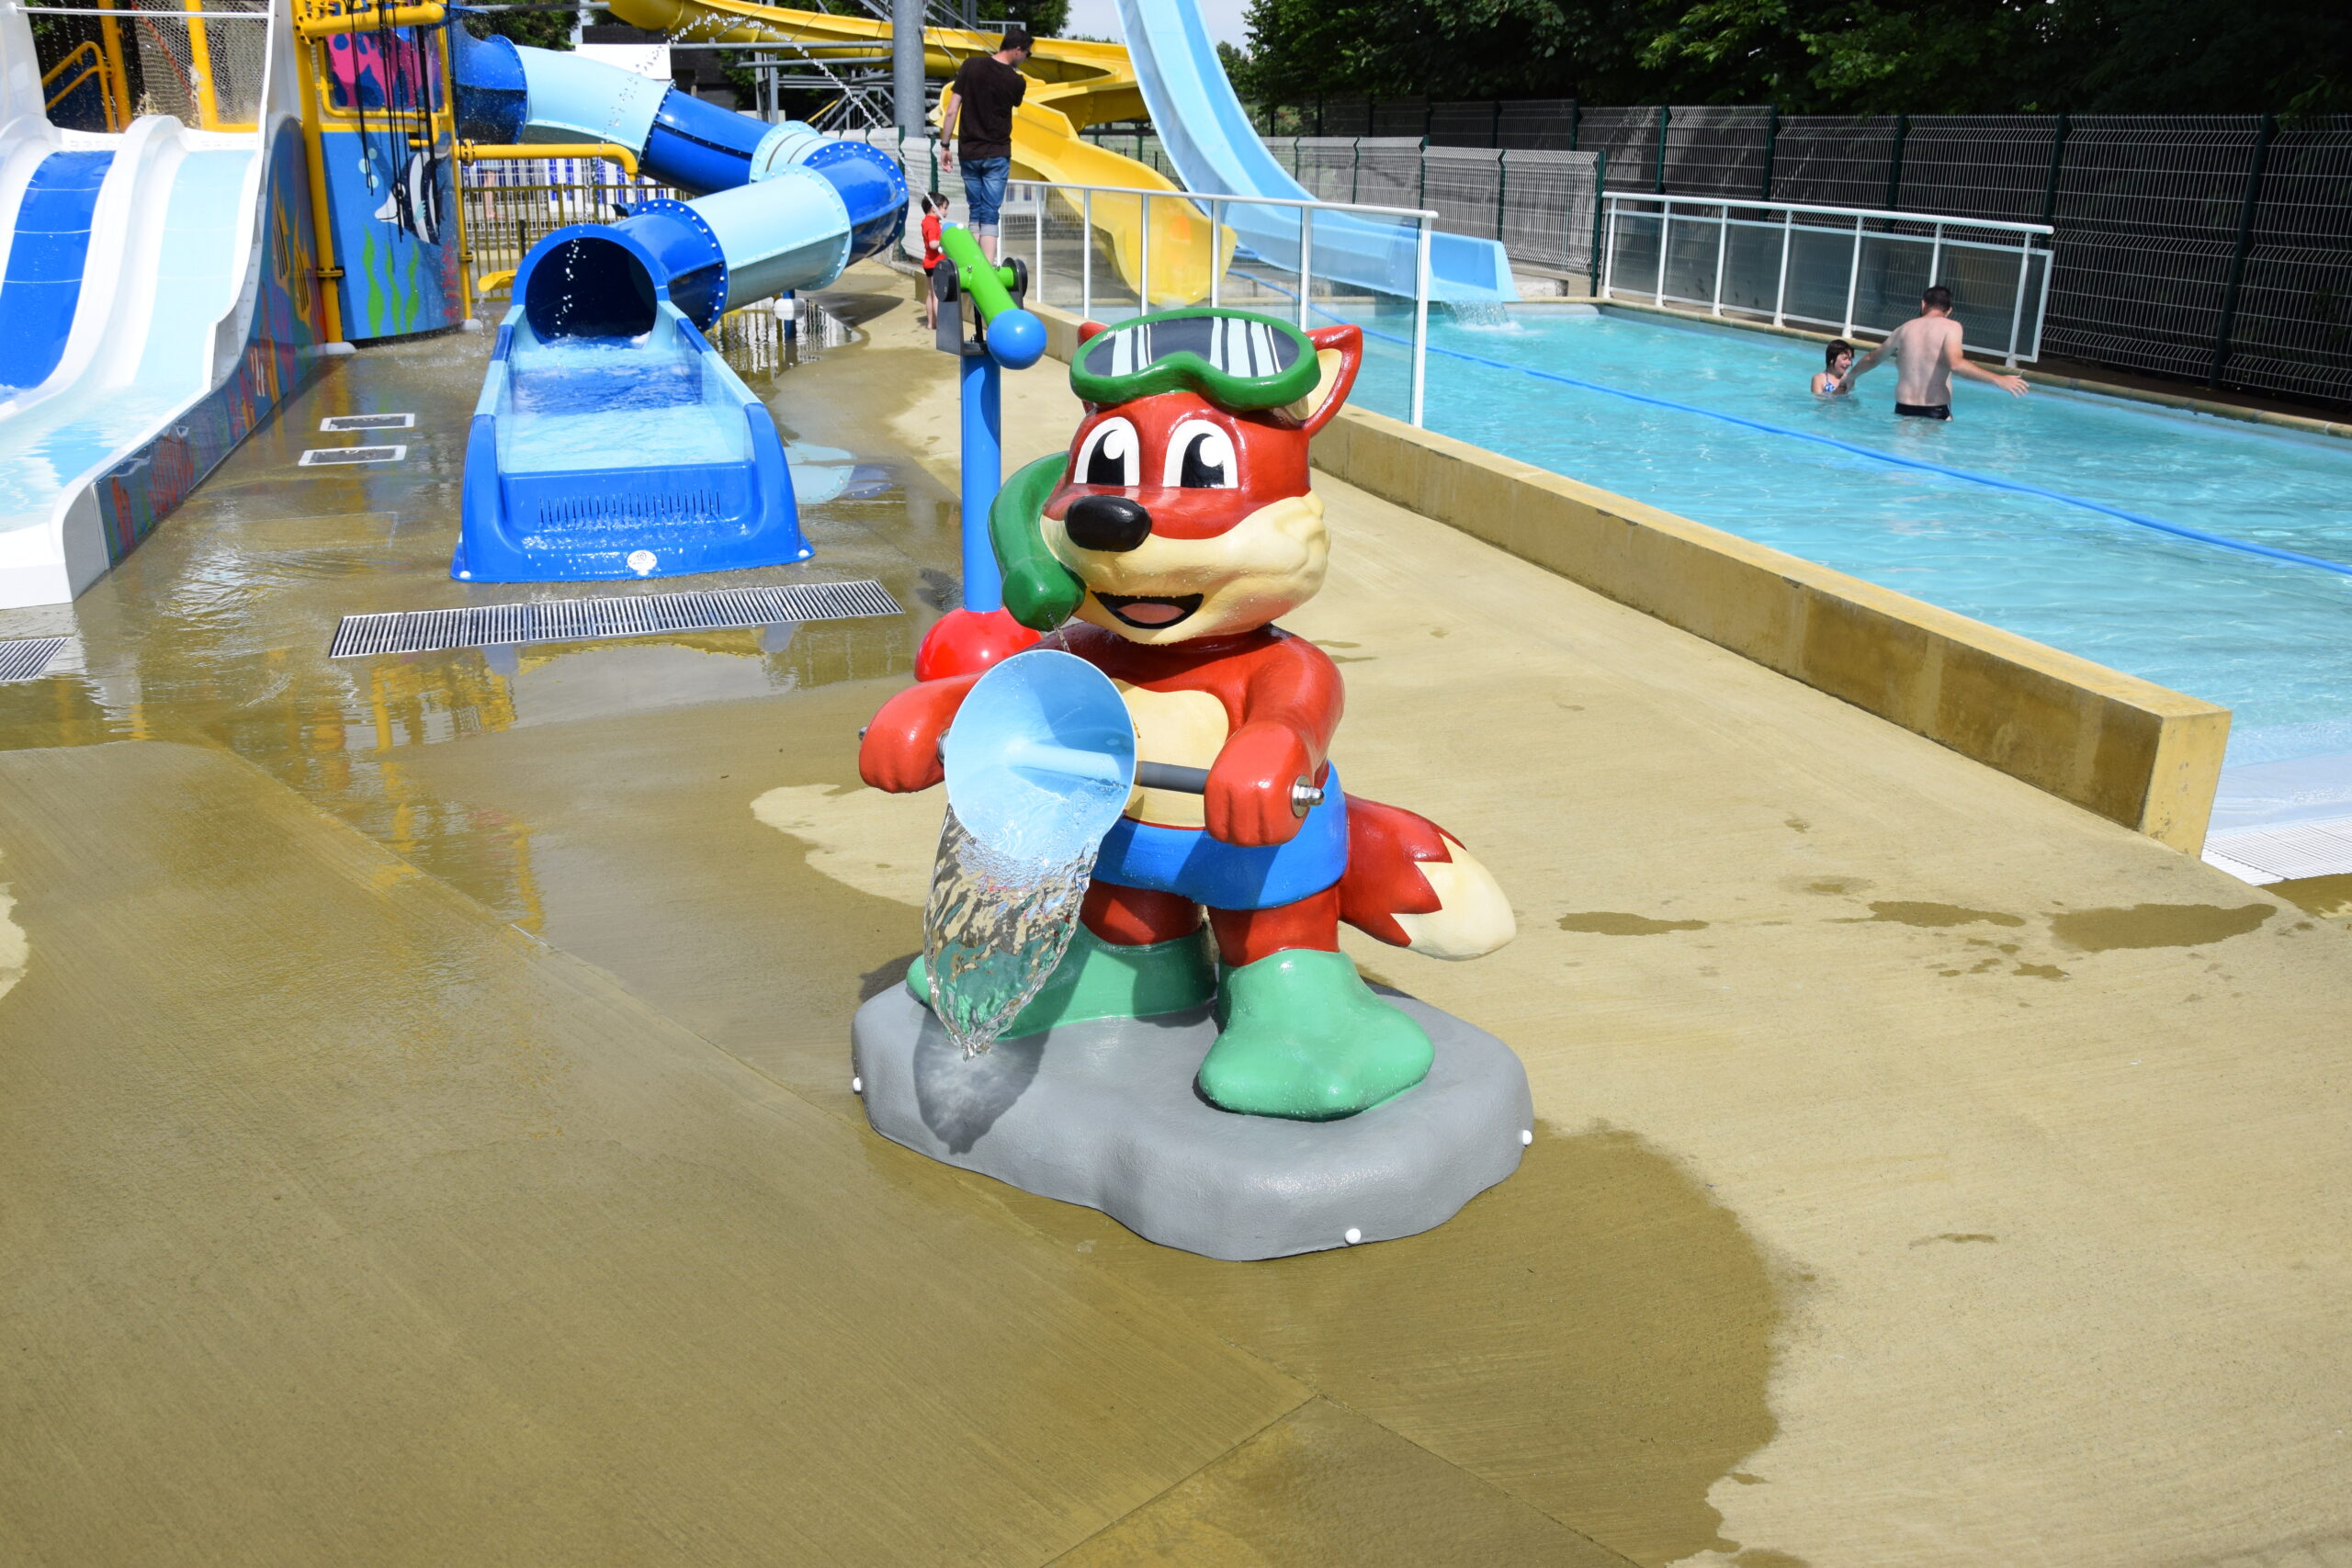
x=1829 y=267
x=1128 y=203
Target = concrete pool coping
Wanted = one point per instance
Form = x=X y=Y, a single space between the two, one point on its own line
x=2129 y=750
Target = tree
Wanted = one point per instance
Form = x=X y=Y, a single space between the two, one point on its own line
x=549 y=28
x=1816 y=56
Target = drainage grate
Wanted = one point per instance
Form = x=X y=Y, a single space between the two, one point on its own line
x=25 y=661
x=369 y=421
x=2284 y=853
x=319 y=455
x=568 y=620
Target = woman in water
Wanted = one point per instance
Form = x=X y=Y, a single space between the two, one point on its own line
x=1839 y=355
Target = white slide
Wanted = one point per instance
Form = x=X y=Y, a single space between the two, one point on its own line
x=93 y=368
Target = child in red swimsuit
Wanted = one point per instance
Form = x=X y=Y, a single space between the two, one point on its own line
x=931 y=256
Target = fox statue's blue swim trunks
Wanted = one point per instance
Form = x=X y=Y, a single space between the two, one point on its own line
x=1228 y=876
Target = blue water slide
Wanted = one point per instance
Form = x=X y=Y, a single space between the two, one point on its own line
x=1207 y=135
x=611 y=441
x=43 y=285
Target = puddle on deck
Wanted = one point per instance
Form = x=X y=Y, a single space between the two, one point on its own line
x=215 y=630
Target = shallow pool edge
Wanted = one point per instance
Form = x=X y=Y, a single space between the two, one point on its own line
x=2129 y=750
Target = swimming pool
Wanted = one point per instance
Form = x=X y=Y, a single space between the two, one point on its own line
x=2270 y=641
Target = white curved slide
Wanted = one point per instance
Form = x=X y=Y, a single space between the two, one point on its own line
x=167 y=248
x=1208 y=137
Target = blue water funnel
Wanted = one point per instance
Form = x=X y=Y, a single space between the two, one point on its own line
x=1041 y=758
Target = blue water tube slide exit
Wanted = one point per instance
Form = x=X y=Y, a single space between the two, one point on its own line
x=611 y=440
x=1208 y=137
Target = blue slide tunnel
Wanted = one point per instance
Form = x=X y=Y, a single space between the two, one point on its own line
x=611 y=440
x=778 y=207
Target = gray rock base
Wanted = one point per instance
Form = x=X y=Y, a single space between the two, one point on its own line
x=1104 y=1114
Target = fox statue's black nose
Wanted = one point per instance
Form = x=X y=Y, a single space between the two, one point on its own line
x=1107 y=523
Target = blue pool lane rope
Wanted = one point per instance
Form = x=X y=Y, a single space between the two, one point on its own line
x=2292 y=557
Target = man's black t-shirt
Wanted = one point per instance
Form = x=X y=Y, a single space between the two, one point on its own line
x=985 y=91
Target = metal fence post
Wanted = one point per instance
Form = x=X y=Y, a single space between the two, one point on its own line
x=2017 y=307
x=1216 y=263
x=1771 y=143
x=1086 y=254
x=2057 y=157
x=1420 y=320
x=1037 y=272
x=1665 y=233
x=1143 y=267
x=1894 y=163
x=1502 y=184
x=1723 y=243
x=1576 y=121
x=2246 y=244
x=1600 y=247
x=1355 y=169
x=1664 y=117
x=1306 y=262
x=1421 y=186
x=1495 y=131
x=1781 y=294
x=1318 y=113
x=1853 y=278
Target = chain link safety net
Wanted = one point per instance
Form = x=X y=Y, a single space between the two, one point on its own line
x=207 y=71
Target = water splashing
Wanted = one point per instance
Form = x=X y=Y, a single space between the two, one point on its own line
x=994 y=927
x=1484 y=314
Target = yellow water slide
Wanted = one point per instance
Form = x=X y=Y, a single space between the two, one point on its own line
x=1072 y=85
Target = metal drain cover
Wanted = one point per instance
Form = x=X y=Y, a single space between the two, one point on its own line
x=26 y=659
x=319 y=455
x=369 y=422
x=573 y=620
x=2286 y=853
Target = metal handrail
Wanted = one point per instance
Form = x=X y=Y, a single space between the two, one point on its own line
x=1614 y=196
x=1702 y=210
x=1213 y=204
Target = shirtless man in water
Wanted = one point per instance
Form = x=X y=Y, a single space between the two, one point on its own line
x=1927 y=351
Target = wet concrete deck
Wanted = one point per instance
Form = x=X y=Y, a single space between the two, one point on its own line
x=423 y=1103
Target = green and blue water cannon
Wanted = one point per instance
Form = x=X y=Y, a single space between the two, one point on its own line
x=984 y=323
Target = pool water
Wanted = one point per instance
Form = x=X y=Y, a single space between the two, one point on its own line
x=2270 y=641
x=578 y=404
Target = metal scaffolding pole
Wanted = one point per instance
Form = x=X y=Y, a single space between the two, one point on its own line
x=906 y=65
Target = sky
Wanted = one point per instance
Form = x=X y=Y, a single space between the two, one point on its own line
x=1099 y=18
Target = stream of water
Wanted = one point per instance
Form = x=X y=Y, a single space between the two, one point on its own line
x=994 y=927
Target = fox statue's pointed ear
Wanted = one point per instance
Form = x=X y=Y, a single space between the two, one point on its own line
x=1339 y=355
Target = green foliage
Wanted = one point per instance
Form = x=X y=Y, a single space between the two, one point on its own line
x=539 y=30
x=1043 y=19
x=1815 y=56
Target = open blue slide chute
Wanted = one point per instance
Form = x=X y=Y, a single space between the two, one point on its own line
x=1206 y=134
x=611 y=440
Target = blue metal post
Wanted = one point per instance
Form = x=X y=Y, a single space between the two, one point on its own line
x=983 y=476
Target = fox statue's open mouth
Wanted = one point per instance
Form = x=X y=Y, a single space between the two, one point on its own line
x=1148 y=613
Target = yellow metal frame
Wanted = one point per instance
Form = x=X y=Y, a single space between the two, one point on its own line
x=491 y=153
x=98 y=66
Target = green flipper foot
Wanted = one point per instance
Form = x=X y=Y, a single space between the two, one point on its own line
x=1099 y=979
x=1303 y=1038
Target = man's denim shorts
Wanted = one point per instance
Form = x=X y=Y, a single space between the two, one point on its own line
x=984 y=188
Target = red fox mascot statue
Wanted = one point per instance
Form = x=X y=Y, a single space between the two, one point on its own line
x=1175 y=530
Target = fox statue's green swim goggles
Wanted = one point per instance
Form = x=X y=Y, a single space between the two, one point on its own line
x=1234 y=359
